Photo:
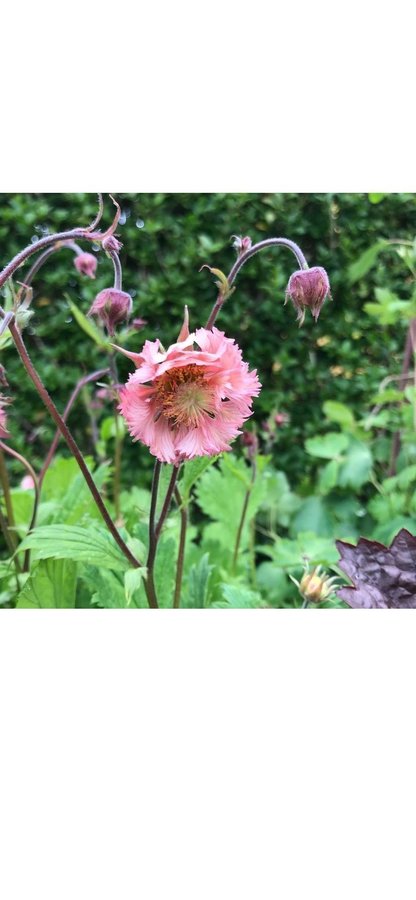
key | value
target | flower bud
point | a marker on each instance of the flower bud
(308, 289)
(138, 324)
(250, 442)
(112, 307)
(241, 244)
(27, 483)
(110, 244)
(316, 585)
(86, 264)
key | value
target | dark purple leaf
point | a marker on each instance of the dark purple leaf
(383, 577)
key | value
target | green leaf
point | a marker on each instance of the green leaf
(376, 198)
(106, 590)
(339, 413)
(328, 477)
(50, 586)
(237, 596)
(133, 580)
(88, 326)
(356, 469)
(192, 470)
(199, 574)
(313, 515)
(164, 572)
(92, 545)
(307, 548)
(366, 261)
(327, 446)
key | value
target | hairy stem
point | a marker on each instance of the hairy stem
(168, 501)
(66, 434)
(408, 355)
(181, 551)
(240, 262)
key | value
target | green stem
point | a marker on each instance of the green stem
(26, 464)
(181, 551)
(5, 483)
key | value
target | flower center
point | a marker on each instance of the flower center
(184, 396)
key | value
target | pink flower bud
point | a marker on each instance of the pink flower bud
(138, 324)
(86, 264)
(110, 244)
(27, 483)
(241, 244)
(308, 289)
(281, 419)
(112, 307)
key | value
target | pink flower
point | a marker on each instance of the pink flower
(308, 288)
(188, 402)
(112, 307)
(241, 244)
(27, 483)
(86, 264)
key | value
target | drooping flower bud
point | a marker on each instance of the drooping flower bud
(3, 418)
(316, 585)
(308, 289)
(111, 244)
(241, 244)
(86, 264)
(112, 307)
(250, 442)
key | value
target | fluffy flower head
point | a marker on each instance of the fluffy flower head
(190, 400)
(308, 289)
(86, 264)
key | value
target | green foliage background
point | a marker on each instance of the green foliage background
(166, 238)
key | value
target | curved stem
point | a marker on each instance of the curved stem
(94, 376)
(6, 449)
(66, 434)
(99, 215)
(43, 258)
(181, 550)
(118, 275)
(243, 515)
(240, 262)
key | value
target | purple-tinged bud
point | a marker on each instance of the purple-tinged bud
(250, 442)
(27, 483)
(280, 419)
(86, 264)
(241, 244)
(308, 289)
(112, 307)
(138, 324)
(110, 244)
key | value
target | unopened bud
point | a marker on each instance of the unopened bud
(241, 244)
(138, 324)
(112, 307)
(316, 585)
(308, 289)
(86, 264)
(27, 483)
(110, 244)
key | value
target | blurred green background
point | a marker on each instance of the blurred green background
(166, 238)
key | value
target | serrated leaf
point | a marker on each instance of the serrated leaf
(198, 582)
(356, 469)
(51, 585)
(92, 545)
(193, 470)
(237, 596)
